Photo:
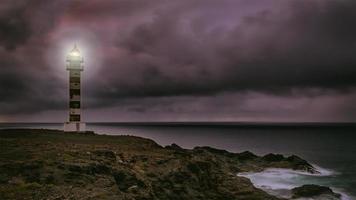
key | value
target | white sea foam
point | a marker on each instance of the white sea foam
(273, 179)
(323, 171)
(279, 182)
(344, 196)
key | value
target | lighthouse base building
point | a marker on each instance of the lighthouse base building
(75, 67)
(74, 127)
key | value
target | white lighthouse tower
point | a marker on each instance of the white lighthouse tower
(75, 67)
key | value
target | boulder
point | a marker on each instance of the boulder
(308, 191)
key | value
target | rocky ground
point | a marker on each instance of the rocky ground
(49, 164)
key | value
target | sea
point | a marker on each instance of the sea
(329, 147)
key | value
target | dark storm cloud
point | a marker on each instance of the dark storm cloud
(27, 85)
(165, 49)
(14, 29)
(19, 20)
(27, 90)
(191, 52)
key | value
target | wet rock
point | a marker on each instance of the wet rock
(300, 164)
(307, 191)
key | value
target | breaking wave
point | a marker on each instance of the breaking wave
(279, 182)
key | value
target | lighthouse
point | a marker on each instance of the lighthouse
(75, 67)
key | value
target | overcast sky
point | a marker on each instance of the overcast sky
(186, 60)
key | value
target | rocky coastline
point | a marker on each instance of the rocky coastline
(51, 164)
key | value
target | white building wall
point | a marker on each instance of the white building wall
(74, 127)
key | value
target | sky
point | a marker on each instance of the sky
(186, 60)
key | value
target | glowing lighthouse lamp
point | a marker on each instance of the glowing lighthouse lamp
(75, 67)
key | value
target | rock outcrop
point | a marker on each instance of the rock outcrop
(314, 191)
(48, 164)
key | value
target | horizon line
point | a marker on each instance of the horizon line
(193, 122)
